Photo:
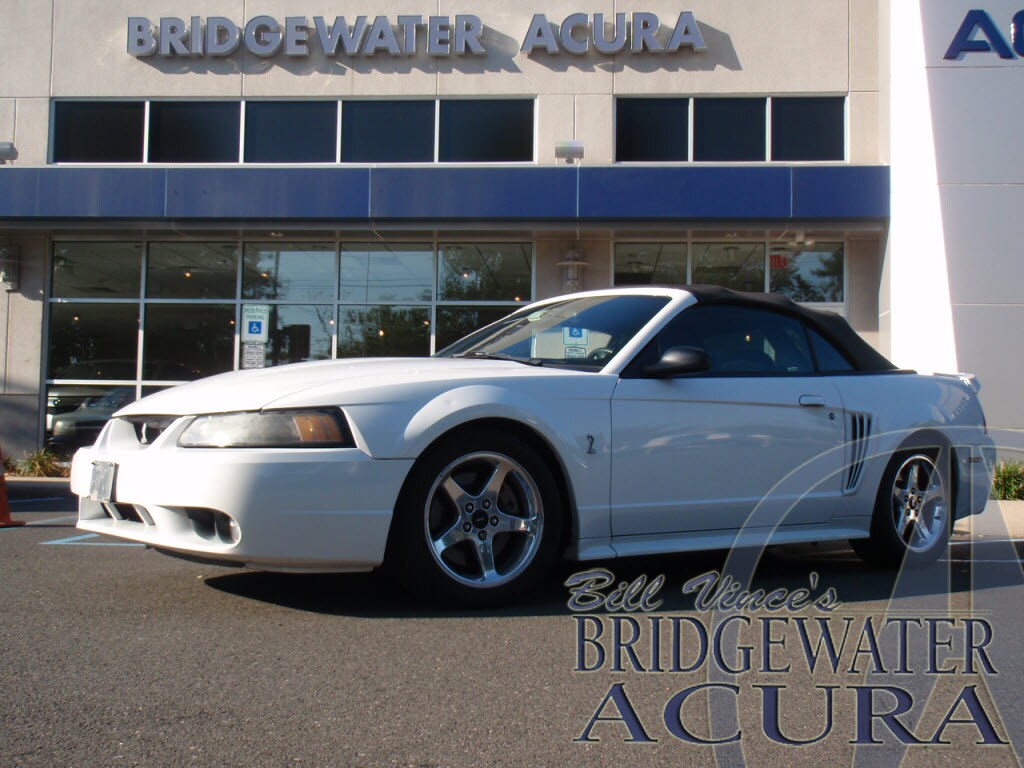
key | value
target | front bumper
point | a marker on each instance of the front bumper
(294, 509)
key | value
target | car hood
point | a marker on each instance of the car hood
(342, 382)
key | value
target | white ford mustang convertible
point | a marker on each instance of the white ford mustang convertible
(592, 426)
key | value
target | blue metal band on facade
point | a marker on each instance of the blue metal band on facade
(439, 194)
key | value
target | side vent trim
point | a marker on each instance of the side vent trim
(860, 430)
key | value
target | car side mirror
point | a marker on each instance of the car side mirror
(676, 361)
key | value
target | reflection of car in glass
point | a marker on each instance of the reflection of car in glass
(65, 397)
(82, 426)
(597, 425)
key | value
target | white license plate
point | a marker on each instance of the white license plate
(101, 487)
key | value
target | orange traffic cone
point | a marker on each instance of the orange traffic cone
(5, 510)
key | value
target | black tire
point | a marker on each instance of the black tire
(914, 509)
(447, 519)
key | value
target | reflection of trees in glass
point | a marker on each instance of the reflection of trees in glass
(485, 272)
(813, 276)
(300, 272)
(384, 331)
(455, 322)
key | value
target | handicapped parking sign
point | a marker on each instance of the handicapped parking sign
(575, 337)
(255, 323)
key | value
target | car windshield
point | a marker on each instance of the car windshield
(583, 333)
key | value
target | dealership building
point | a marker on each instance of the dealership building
(195, 188)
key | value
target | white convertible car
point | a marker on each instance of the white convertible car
(592, 426)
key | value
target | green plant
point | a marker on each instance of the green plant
(1008, 483)
(41, 463)
(10, 466)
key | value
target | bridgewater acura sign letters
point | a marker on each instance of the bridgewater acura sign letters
(403, 35)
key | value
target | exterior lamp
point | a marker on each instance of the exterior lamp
(570, 151)
(572, 270)
(10, 263)
(8, 152)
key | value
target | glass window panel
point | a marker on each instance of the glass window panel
(485, 271)
(739, 266)
(292, 271)
(729, 129)
(298, 333)
(96, 270)
(194, 131)
(384, 273)
(739, 339)
(188, 341)
(98, 131)
(93, 341)
(650, 263)
(75, 414)
(486, 131)
(387, 132)
(455, 322)
(808, 129)
(291, 131)
(830, 359)
(812, 273)
(383, 331)
(191, 271)
(651, 129)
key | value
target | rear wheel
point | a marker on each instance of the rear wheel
(912, 520)
(479, 520)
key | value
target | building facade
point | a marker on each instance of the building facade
(250, 186)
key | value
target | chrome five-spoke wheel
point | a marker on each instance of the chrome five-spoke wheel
(919, 503)
(484, 518)
(479, 519)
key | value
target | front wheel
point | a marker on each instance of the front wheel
(912, 520)
(479, 520)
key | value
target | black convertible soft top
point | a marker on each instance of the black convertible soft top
(861, 355)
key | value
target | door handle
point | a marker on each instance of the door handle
(812, 401)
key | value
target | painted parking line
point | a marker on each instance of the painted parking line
(65, 519)
(79, 541)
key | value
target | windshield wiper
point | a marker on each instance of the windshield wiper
(501, 356)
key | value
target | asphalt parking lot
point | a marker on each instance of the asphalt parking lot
(113, 655)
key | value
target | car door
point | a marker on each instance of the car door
(699, 451)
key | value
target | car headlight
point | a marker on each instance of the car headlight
(298, 428)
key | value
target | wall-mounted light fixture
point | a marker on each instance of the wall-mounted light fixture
(572, 270)
(570, 151)
(8, 151)
(10, 264)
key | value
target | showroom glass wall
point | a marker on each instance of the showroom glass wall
(806, 271)
(129, 318)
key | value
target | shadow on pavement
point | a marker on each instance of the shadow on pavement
(373, 595)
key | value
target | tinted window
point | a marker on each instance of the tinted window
(194, 132)
(739, 266)
(810, 273)
(808, 129)
(97, 132)
(188, 341)
(191, 271)
(829, 359)
(486, 131)
(650, 263)
(292, 271)
(728, 129)
(93, 341)
(651, 129)
(96, 270)
(291, 131)
(379, 273)
(383, 331)
(387, 132)
(738, 340)
(485, 271)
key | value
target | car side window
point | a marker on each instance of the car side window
(830, 359)
(740, 340)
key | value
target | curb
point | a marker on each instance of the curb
(45, 480)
